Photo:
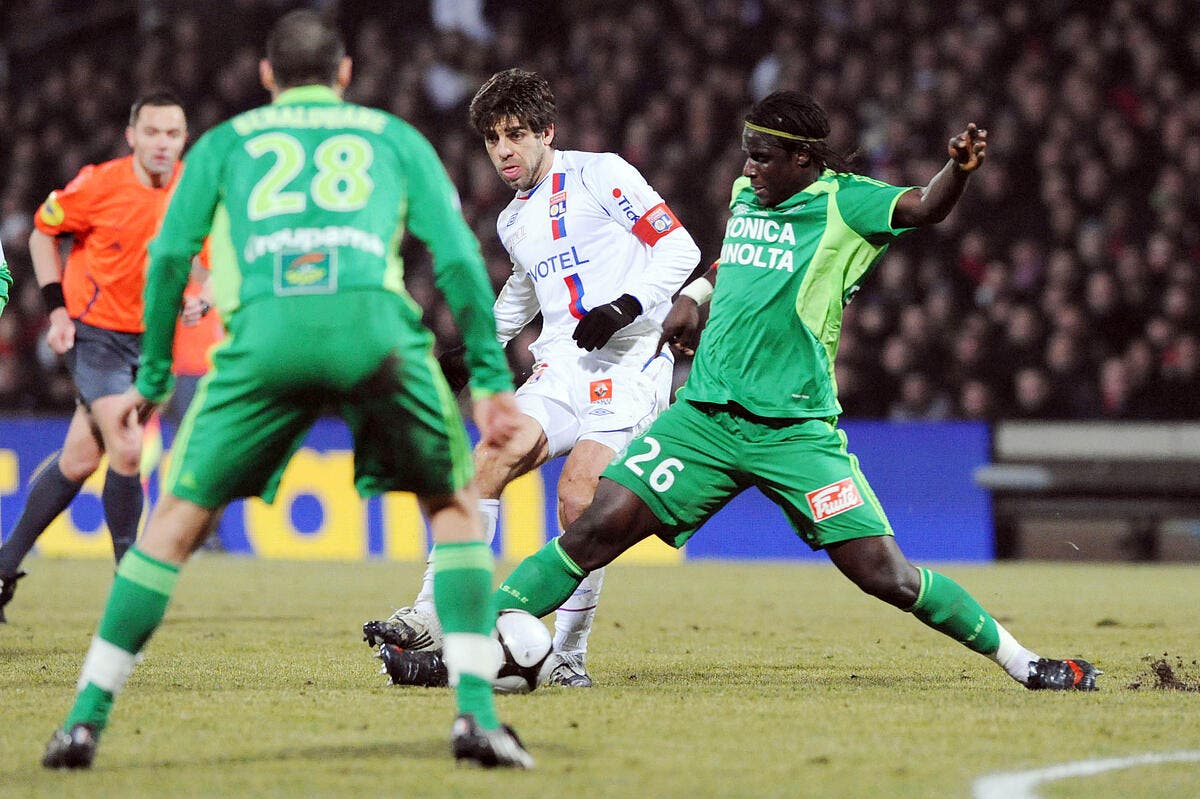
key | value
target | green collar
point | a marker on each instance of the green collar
(307, 94)
(808, 192)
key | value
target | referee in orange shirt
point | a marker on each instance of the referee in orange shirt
(112, 211)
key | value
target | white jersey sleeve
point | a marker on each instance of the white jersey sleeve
(637, 207)
(516, 305)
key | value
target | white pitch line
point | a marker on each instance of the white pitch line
(1021, 784)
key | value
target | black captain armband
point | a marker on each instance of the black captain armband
(52, 295)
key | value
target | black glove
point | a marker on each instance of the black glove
(454, 367)
(598, 325)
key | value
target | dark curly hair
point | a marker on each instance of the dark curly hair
(513, 93)
(799, 114)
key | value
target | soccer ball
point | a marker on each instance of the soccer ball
(525, 645)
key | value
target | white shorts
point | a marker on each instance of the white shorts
(608, 404)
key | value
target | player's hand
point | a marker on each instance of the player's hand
(598, 325)
(681, 328)
(969, 148)
(133, 409)
(497, 418)
(61, 336)
(454, 367)
(193, 310)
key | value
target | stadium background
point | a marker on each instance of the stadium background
(1064, 287)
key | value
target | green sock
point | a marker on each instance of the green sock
(541, 582)
(135, 608)
(946, 607)
(462, 582)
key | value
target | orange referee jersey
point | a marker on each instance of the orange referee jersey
(190, 353)
(112, 217)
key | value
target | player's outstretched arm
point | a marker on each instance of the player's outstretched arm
(930, 205)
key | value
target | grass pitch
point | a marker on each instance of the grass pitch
(713, 680)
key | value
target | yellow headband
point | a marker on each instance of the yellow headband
(780, 134)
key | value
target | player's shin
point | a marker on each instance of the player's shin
(122, 499)
(462, 593)
(489, 509)
(946, 607)
(573, 619)
(541, 582)
(136, 604)
(50, 493)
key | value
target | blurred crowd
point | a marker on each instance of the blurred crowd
(1064, 286)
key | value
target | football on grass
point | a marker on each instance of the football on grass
(525, 644)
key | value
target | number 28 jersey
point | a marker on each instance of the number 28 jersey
(311, 196)
(591, 230)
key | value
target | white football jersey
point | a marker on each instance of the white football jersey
(590, 231)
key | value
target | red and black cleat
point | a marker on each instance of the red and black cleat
(406, 667)
(1062, 675)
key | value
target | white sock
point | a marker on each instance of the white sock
(471, 653)
(424, 600)
(107, 666)
(573, 621)
(490, 509)
(1012, 656)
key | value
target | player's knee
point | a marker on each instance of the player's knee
(877, 566)
(594, 539)
(175, 529)
(572, 502)
(125, 460)
(78, 466)
(614, 521)
(890, 583)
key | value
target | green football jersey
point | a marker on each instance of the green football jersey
(785, 274)
(311, 195)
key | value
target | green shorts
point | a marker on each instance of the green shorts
(362, 355)
(695, 458)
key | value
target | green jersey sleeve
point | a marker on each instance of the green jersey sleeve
(866, 206)
(434, 216)
(5, 280)
(188, 219)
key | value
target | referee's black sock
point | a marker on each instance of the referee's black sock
(122, 498)
(49, 495)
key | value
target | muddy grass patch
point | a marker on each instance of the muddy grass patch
(1167, 673)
